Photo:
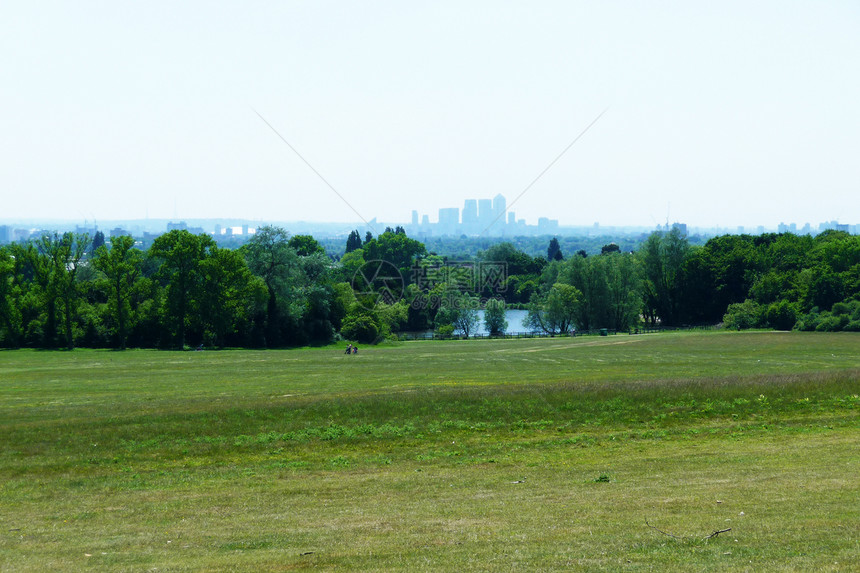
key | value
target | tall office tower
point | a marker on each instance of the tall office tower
(470, 216)
(449, 218)
(415, 217)
(485, 214)
(512, 219)
(499, 206)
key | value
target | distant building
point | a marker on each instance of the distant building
(547, 225)
(118, 232)
(414, 217)
(180, 226)
(5, 234)
(470, 216)
(682, 228)
(449, 220)
(485, 214)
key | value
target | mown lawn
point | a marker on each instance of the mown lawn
(612, 453)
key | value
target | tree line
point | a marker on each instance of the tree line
(65, 290)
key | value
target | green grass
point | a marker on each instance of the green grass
(476, 455)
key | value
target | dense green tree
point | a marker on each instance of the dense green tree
(397, 250)
(10, 315)
(98, 241)
(315, 290)
(349, 264)
(74, 247)
(521, 272)
(180, 255)
(228, 297)
(121, 266)
(553, 251)
(556, 311)
(353, 241)
(305, 245)
(623, 289)
(271, 258)
(588, 277)
(54, 260)
(662, 258)
(609, 249)
(494, 317)
(459, 309)
(517, 262)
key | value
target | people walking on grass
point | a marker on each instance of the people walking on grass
(348, 349)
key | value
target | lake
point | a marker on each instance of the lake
(515, 320)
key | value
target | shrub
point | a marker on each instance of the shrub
(494, 317)
(781, 315)
(445, 331)
(743, 315)
(360, 327)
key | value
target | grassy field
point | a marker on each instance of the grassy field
(595, 453)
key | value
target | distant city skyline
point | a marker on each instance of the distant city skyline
(724, 114)
(491, 225)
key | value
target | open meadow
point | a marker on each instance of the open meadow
(620, 453)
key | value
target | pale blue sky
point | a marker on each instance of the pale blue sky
(723, 113)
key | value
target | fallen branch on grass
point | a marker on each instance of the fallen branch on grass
(661, 531)
(714, 534)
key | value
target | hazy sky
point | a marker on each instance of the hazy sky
(720, 113)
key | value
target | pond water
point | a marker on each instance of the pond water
(515, 320)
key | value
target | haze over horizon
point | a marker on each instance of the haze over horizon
(722, 115)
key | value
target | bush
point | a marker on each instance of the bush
(841, 308)
(494, 317)
(445, 331)
(361, 328)
(743, 315)
(830, 323)
(781, 315)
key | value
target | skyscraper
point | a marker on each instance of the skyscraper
(449, 218)
(485, 214)
(470, 216)
(499, 206)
